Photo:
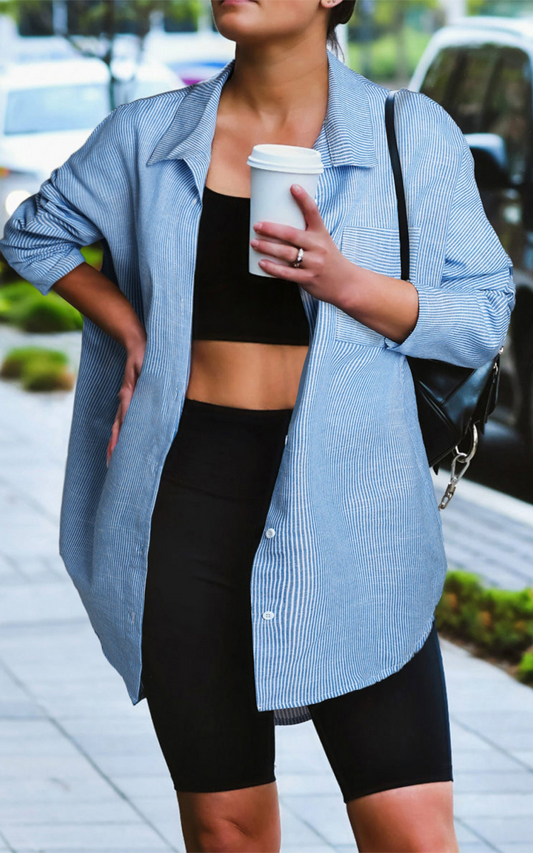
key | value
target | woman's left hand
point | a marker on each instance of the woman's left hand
(324, 271)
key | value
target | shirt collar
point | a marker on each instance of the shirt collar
(346, 137)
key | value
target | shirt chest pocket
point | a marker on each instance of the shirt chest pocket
(376, 249)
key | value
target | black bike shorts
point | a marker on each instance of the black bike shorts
(198, 671)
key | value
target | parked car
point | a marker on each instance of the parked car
(480, 70)
(48, 109)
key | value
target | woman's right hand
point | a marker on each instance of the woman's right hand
(134, 362)
(101, 301)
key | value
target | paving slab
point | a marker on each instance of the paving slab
(477, 847)
(488, 533)
(72, 837)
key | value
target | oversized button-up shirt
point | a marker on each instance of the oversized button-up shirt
(351, 565)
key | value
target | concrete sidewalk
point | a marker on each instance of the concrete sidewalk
(488, 533)
(81, 766)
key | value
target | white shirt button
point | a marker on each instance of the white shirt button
(286, 438)
(270, 533)
(268, 614)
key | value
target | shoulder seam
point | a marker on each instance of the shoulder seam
(179, 94)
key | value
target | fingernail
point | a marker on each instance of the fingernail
(297, 187)
(258, 225)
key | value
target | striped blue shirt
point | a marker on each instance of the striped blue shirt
(343, 594)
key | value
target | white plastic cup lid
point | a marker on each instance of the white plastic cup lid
(286, 158)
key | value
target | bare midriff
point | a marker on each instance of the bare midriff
(245, 374)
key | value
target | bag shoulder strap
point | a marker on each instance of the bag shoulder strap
(398, 182)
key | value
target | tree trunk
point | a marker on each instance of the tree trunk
(402, 60)
(109, 32)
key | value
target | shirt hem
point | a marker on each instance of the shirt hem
(303, 717)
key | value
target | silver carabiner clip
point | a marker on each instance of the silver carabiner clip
(463, 459)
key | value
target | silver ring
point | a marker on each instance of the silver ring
(298, 260)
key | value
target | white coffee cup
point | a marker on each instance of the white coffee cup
(274, 168)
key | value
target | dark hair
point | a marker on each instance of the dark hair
(340, 14)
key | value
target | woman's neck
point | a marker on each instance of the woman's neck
(276, 87)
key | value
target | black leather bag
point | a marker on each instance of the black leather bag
(453, 402)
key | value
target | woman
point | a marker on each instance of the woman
(265, 546)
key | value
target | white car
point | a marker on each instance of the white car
(48, 109)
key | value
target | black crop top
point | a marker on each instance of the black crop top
(230, 303)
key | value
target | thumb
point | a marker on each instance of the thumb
(308, 206)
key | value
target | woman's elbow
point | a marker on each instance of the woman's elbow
(490, 338)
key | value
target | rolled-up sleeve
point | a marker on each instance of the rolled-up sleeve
(43, 237)
(464, 321)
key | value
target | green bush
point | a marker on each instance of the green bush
(6, 272)
(16, 360)
(460, 601)
(12, 294)
(498, 621)
(93, 255)
(46, 376)
(48, 313)
(38, 368)
(22, 305)
(505, 624)
(525, 669)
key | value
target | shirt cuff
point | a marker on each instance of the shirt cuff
(417, 337)
(43, 279)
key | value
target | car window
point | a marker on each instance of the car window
(439, 75)
(55, 108)
(508, 109)
(472, 84)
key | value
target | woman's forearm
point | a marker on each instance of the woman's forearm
(99, 299)
(387, 305)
